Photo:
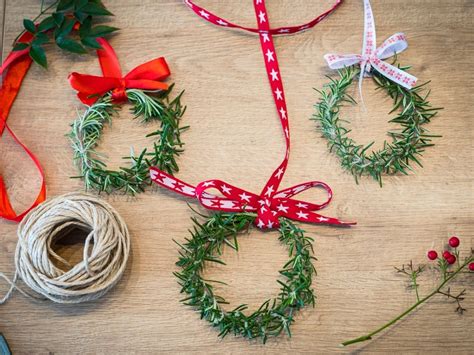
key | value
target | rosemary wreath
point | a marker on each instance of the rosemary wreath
(407, 143)
(149, 107)
(274, 315)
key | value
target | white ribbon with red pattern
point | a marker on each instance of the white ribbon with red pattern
(372, 57)
(271, 203)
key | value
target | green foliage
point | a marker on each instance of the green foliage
(58, 21)
(407, 144)
(274, 315)
(150, 107)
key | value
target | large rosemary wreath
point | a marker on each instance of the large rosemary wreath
(274, 315)
(406, 145)
(149, 107)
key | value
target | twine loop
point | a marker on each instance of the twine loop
(105, 255)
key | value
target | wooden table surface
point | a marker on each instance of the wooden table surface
(235, 136)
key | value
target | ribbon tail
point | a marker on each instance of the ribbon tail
(316, 218)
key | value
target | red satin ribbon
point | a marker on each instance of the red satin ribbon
(271, 203)
(17, 64)
(145, 77)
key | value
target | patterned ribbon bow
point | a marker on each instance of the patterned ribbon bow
(269, 206)
(372, 57)
(146, 76)
(271, 203)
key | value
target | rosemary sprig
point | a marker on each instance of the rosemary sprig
(87, 129)
(274, 315)
(407, 144)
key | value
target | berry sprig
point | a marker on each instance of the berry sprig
(68, 22)
(449, 266)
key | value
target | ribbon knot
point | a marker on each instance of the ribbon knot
(146, 76)
(269, 206)
(372, 57)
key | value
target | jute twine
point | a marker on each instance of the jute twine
(106, 250)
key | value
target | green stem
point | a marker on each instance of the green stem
(423, 300)
(43, 11)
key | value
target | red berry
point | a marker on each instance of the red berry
(454, 242)
(432, 255)
(447, 254)
(471, 266)
(451, 260)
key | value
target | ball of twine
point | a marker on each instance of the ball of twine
(105, 255)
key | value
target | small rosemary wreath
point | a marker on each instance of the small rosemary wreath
(149, 107)
(274, 315)
(406, 145)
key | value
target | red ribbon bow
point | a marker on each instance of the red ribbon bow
(146, 76)
(269, 206)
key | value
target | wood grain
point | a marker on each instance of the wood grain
(235, 136)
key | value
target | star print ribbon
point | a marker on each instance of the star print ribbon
(146, 76)
(372, 57)
(14, 70)
(271, 203)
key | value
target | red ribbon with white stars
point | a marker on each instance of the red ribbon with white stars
(271, 204)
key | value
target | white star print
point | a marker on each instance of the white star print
(284, 30)
(287, 133)
(260, 224)
(283, 113)
(204, 14)
(323, 219)
(258, 2)
(269, 55)
(274, 75)
(300, 214)
(279, 173)
(227, 204)
(279, 93)
(304, 27)
(265, 37)
(244, 197)
(168, 182)
(153, 174)
(261, 16)
(270, 224)
(302, 205)
(226, 189)
(269, 191)
(208, 183)
(222, 23)
(263, 209)
(282, 208)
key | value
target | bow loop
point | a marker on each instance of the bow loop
(146, 76)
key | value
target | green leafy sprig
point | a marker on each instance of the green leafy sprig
(447, 273)
(407, 144)
(87, 130)
(58, 21)
(274, 315)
